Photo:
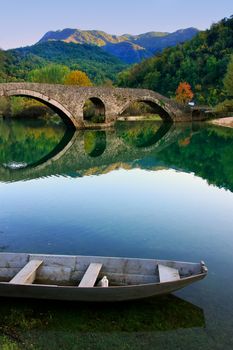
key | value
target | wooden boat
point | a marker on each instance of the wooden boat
(66, 277)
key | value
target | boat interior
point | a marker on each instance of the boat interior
(88, 271)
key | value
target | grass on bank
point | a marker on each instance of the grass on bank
(67, 325)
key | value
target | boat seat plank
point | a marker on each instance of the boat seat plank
(168, 274)
(90, 275)
(27, 274)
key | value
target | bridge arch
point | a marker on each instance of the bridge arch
(94, 108)
(57, 107)
(158, 106)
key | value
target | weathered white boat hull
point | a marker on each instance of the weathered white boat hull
(67, 269)
(109, 294)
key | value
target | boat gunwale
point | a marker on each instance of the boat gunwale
(101, 257)
(202, 274)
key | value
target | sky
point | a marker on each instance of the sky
(24, 22)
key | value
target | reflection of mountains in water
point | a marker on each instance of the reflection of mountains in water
(205, 151)
(164, 313)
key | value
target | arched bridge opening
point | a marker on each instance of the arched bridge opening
(146, 108)
(94, 110)
(54, 105)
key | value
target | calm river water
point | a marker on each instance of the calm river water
(144, 190)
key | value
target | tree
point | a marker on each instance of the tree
(227, 105)
(184, 93)
(108, 83)
(3, 58)
(151, 80)
(77, 77)
(51, 74)
(228, 79)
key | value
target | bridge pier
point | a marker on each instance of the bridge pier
(80, 124)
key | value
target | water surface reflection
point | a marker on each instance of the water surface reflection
(139, 190)
(34, 152)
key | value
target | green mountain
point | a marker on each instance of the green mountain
(128, 48)
(202, 62)
(99, 65)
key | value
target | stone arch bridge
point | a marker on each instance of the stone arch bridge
(69, 101)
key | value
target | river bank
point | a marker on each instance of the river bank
(227, 122)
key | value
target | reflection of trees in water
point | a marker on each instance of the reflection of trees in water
(95, 143)
(143, 134)
(26, 143)
(208, 153)
(56, 152)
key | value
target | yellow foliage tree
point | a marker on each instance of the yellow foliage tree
(77, 77)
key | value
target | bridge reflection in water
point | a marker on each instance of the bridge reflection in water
(34, 152)
(78, 152)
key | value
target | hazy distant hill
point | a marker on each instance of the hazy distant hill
(156, 42)
(127, 52)
(128, 48)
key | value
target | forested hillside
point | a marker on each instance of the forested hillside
(202, 62)
(99, 65)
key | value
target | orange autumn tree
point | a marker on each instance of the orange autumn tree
(184, 93)
(78, 78)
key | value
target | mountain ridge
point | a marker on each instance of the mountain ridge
(138, 47)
